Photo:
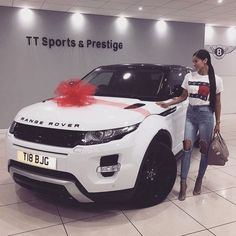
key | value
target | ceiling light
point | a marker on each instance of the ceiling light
(77, 17)
(140, 8)
(219, 1)
(161, 26)
(26, 12)
(121, 23)
(231, 33)
(77, 20)
(26, 16)
(209, 33)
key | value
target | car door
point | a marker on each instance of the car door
(174, 78)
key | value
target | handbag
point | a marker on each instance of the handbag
(218, 152)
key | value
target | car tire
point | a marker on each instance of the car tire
(156, 177)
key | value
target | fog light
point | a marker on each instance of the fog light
(107, 169)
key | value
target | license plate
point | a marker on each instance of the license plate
(36, 160)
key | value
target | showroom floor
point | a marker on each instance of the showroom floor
(213, 212)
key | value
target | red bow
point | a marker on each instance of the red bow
(74, 93)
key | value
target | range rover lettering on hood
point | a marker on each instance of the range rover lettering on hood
(49, 123)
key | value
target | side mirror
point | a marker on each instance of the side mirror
(177, 91)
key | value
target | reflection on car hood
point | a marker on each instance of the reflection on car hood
(103, 113)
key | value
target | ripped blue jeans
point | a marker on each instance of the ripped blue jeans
(199, 119)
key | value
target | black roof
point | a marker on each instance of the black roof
(141, 65)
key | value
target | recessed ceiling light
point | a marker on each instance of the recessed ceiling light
(209, 32)
(219, 1)
(161, 26)
(122, 23)
(26, 16)
(140, 8)
(77, 19)
(26, 12)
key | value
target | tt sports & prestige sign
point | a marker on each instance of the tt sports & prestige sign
(72, 43)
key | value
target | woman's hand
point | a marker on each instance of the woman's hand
(217, 128)
(217, 112)
(163, 104)
(173, 101)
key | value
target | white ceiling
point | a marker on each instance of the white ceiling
(203, 11)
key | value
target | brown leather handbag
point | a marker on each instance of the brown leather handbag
(218, 152)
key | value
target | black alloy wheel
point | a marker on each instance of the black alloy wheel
(156, 176)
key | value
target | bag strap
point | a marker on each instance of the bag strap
(215, 134)
(219, 135)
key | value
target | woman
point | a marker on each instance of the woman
(203, 89)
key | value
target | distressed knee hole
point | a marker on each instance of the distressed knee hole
(203, 146)
(187, 145)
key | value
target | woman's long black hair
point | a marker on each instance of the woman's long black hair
(204, 54)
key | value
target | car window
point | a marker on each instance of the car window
(176, 77)
(143, 84)
(97, 79)
(171, 86)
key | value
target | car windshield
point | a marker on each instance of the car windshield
(143, 83)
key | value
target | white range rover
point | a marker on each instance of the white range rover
(121, 147)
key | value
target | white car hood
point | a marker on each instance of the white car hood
(104, 113)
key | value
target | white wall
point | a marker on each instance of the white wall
(30, 73)
(225, 66)
(229, 95)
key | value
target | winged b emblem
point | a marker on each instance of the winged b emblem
(219, 51)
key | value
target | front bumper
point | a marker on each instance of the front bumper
(60, 183)
(77, 169)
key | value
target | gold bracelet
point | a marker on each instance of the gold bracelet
(218, 122)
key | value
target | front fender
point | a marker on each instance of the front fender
(145, 133)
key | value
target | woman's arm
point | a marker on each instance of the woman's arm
(217, 112)
(175, 100)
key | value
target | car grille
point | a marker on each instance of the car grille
(39, 186)
(48, 136)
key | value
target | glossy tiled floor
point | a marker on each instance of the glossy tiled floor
(24, 213)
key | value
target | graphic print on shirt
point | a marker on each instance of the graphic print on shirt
(203, 90)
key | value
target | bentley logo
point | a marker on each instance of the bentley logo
(220, 51)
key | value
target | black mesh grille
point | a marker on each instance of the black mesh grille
(48, 136)
(48, 173)
(39, 185)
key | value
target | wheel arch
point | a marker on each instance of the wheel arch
(162, 136)
(156, 143)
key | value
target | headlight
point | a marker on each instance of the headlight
(12, 127)
(104, 136)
